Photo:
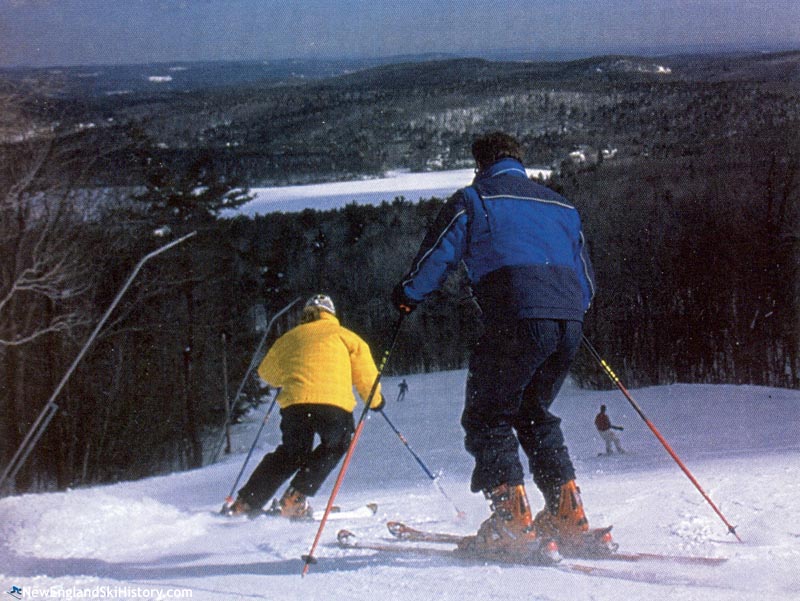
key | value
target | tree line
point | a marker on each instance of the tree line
(698, 263)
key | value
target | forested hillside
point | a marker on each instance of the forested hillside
(421, 115)
(685, 170)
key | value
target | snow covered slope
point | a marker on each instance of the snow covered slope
(159, 535)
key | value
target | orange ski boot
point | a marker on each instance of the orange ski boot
(294, 505)
(509, 531)
(569, 527)
(239, 507)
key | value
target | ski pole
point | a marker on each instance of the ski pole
(309, 558)
(421, 463)
(229, 499)
(610, 373)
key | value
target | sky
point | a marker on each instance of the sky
(93, 32)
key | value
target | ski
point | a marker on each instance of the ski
(337, 513)
(407, 533)
(365, 511)
(598, 541)
(347, 540)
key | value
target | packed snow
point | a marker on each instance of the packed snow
(161, 535)
(334, 195)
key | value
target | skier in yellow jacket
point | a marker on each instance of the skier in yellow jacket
(315, 365)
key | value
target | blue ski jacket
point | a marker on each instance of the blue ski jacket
(522, 244)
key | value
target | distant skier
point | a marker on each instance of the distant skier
(403, 386)
(527, 261)
(603, 424)
(315, 365)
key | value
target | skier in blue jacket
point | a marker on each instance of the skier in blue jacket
(527, 262)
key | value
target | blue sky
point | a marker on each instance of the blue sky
(74, 32)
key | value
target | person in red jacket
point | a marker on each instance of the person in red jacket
(603, 424)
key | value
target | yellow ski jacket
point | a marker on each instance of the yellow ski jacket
(320, 362)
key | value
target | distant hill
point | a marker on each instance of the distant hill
(780, 67)
(305, 121)
(158, 78)
(394, 71)
(475, 71)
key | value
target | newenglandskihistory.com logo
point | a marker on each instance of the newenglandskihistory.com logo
(99, 592)
(15, 592)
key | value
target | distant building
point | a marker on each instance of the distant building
(577, 156)
(588, 155)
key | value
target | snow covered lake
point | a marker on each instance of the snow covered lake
(160, 536)
(335, 195)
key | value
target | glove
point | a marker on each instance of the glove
(378, 405)
(401, 302)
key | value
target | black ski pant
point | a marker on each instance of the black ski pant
(296, 455)
(515, 373)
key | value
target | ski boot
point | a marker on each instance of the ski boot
(293, 505)
(509, 531)
(564, 520)
(239, 507)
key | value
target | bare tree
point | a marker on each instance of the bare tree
(42, 276)
(42, 266)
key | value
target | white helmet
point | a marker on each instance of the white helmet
(323, 301)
